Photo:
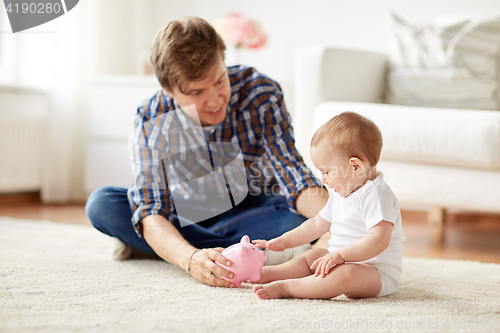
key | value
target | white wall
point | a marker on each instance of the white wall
(290, 24)
(127, 27)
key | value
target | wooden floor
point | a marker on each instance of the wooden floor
(467, 236)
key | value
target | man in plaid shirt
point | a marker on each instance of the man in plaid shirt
(213, 157)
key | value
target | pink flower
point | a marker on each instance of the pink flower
(241, 31)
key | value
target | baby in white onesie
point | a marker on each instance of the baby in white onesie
(365, 249)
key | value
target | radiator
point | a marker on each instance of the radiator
(22, 126)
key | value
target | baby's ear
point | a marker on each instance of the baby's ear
(356, 164)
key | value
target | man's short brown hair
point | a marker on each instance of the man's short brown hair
(184, 51)
(352, 135)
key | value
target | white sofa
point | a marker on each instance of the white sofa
(433, 158)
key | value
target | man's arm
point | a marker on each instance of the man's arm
(169, 244)
(311, 200)
(298, 184)
(166, 240)
(151, 201)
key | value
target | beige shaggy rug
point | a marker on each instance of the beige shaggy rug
(60, 278)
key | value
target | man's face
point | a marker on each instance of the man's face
(211, 96)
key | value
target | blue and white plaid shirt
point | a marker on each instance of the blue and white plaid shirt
(256, 121)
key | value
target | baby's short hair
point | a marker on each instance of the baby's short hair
(352, 135)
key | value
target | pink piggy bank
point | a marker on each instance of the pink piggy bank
(246, 261)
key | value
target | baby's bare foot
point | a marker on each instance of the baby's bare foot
(260, 292)
(271, 290)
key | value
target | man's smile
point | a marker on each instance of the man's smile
(217, 110)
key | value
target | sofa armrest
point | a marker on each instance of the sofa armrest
(323, 73)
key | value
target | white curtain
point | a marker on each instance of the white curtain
(73, 66)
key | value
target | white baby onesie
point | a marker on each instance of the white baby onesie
(353, 216)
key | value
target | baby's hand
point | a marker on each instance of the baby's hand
(326, 263)
(260, 243)
(275, 244)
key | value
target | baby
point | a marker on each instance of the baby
(365, 249)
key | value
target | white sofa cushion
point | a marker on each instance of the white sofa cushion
(454, 137)
(422, 185)
(445, 65)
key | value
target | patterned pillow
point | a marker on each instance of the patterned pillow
(454, 66)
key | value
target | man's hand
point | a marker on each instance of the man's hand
(326, 263)
(277, 244)
(203, 268)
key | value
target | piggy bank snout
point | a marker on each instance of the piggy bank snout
(247, 261)
(262, 256)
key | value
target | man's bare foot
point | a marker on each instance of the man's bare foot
(271, 290)
(264, 277)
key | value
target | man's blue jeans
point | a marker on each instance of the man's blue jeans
(258, 216)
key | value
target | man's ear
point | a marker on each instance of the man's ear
(356, 164)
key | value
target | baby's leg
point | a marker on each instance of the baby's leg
(292, 269)
(356, 280)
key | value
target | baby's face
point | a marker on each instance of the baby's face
(336, 171)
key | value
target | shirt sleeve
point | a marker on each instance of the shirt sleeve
(290, 171)
(377, 206)
(149, 195)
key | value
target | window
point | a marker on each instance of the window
(7, 48)
(1, 30)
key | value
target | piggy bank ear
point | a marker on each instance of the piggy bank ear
(245, 239)
(240, 252)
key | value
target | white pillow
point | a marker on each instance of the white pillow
(454, 65)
